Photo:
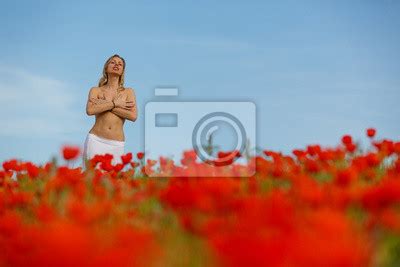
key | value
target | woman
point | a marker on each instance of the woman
(112, 104)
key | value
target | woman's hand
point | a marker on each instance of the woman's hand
(121, 103)
(98, 100)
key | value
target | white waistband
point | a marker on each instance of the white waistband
(106, 141)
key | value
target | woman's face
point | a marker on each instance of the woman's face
(116, 66)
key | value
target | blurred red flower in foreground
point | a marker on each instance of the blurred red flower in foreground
(140, 155)
(12, 164)
(320, 206)
(371, 132)
(32, 169)
(126, 158)
(347, 139)
(70, 152)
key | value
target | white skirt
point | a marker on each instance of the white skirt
(96, 145)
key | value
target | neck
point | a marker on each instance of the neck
(113, 81)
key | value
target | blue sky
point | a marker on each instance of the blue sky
(315, 69)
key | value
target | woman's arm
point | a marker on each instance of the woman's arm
(96, 106)
(127, 113)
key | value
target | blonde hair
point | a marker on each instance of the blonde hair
(103, 80)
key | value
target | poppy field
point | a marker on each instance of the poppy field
(318, 206)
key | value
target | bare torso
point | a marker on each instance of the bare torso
(109, 125)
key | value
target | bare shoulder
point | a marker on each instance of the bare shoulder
(130, 89)
(131, 92)
(93, 91)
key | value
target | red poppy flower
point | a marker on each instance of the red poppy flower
(396, 147)
(126, 158)
(268, 153)
(48, 166)
(345, 177)
(371, 132)
(70, 152)
(189, 157)
(106, 165)
(140, 155)
(299, 153)
(134, 164)
(372, 159)
(118, 167)
(95, 160)
(313, 149)
(32, 169)
(12, 165)
(346, 139)
(351, 147)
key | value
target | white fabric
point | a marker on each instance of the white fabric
(96, 145)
